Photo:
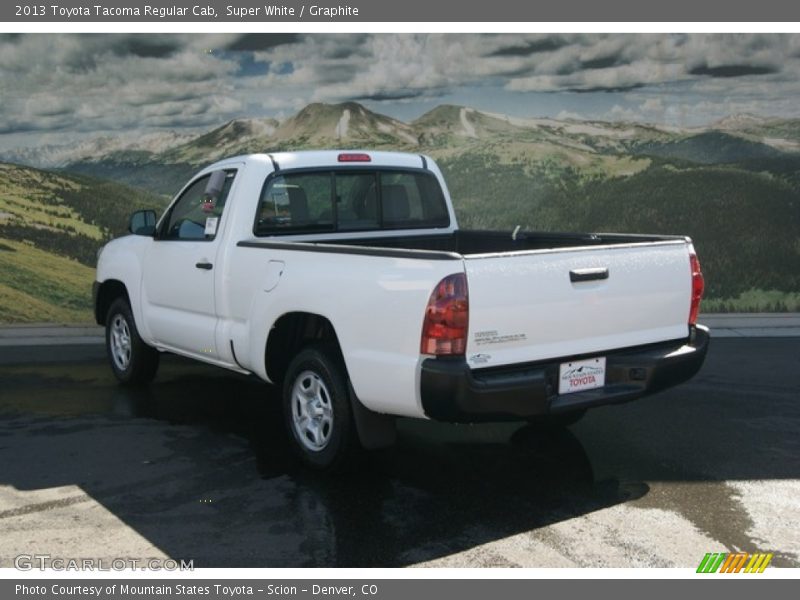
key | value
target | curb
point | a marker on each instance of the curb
(50, 334)
(752, 325)
(721, 325)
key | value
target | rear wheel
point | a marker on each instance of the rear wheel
(132, 361)
(317, 410)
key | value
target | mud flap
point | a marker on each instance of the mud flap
(375, 430)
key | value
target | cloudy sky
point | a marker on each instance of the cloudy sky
(56, 88)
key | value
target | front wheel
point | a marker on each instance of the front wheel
(317, 409)
(132, 361)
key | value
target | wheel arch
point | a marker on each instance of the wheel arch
(107, 292)
(295, 330)
(290, 333)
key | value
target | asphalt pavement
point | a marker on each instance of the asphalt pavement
(197, 467)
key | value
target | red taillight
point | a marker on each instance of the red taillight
(354, 157)
(698, 284)
(444, 331)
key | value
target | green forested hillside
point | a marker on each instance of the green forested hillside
(711, 147)
(153, 176)
(51, 225)
(41, 286)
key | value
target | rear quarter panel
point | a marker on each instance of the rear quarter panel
(375, 303)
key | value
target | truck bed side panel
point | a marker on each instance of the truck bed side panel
(375, 303)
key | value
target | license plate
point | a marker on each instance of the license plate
(581, 375)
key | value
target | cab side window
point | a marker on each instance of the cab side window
(197, 214)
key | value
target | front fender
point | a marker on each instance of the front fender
(121, 260)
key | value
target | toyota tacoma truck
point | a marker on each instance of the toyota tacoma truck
(343, 278)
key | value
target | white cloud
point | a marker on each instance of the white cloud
(652, 105)
(110, 82)
(84, 83)
(619, 113)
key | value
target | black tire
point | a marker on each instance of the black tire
(320, 422)
(132, 361)
(558, 420)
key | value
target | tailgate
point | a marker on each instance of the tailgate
(546, 304)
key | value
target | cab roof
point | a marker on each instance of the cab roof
(337, 158)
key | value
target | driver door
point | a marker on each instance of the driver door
(179, 268)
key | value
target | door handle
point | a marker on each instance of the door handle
(204, 265)
(588, 274)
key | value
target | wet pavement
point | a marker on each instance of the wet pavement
(197, 466)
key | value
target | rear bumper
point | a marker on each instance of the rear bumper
(451, 391)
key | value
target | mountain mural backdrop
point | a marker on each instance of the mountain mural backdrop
(733, 186)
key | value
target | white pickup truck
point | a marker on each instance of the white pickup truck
(343, 278)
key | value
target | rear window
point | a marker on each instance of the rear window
(350, 200)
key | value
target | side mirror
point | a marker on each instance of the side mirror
(143, 222)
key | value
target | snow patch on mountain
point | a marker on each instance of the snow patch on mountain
(469, 128)
(342, 125)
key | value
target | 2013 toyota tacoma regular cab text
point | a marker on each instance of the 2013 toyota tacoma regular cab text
(343, 278)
